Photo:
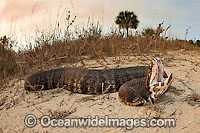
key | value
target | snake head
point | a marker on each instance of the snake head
(156, 83)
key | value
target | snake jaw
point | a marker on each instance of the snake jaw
(157, 89)
(157, 83)
(157, 71)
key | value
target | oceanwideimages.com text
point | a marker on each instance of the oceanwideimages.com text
(128, 123)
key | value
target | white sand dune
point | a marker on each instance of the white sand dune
(16, 103)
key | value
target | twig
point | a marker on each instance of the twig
(38, 110)
(59, 58)
(71, 105)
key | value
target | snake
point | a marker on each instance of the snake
(135, 85)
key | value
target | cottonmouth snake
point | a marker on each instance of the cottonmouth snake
(135, 84)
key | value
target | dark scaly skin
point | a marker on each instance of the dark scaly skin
(80, 79)
(134, 92)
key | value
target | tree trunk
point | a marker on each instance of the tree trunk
(127, 31)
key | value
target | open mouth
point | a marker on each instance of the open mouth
(157, 71)
(158, 84)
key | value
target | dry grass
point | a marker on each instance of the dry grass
(51, 52)
(193, 99)
(8, 65)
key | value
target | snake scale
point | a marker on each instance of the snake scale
(131, 82)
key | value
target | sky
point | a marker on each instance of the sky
(20, 18)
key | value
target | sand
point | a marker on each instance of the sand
(179, 102)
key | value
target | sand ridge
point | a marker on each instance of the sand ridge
(179, 102)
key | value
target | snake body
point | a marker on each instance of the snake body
(136, 85)
(86, 81)
(134, 92)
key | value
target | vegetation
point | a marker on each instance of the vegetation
(8, 65)
(127, 20)
(197, 42)
(55, 50)
(148, 32)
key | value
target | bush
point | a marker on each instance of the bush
(8, 65)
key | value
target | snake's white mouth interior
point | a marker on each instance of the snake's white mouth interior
(157, 83)
(157, 71)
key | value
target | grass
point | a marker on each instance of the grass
(8, 65)
(193, 99)
(58, 48)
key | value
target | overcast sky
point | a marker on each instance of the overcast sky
(23, 17)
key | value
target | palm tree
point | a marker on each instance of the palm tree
(127, 19)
